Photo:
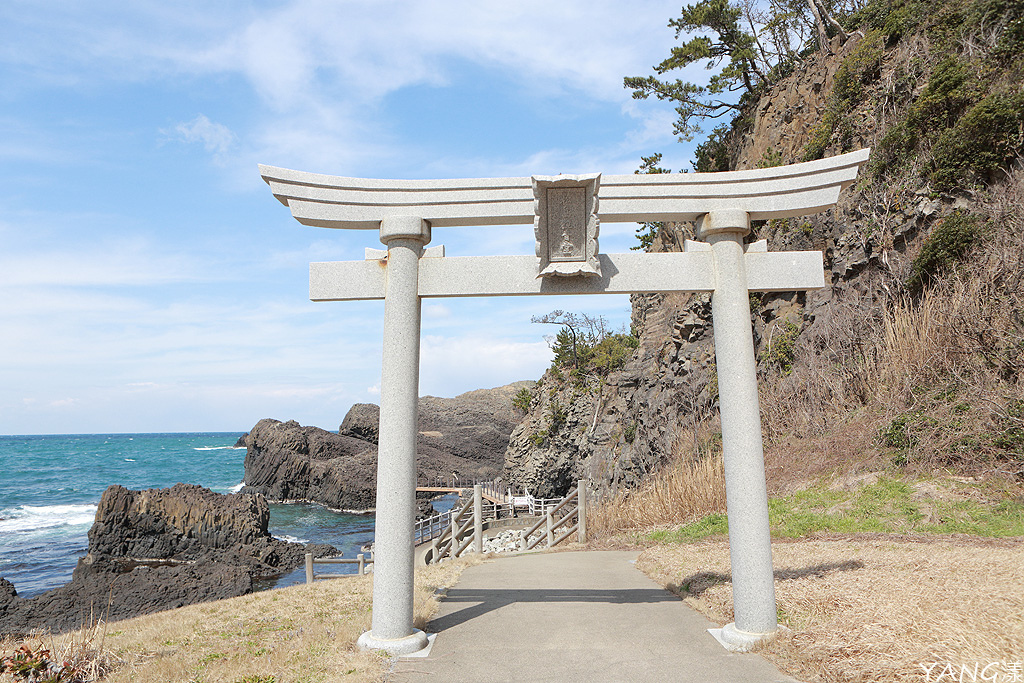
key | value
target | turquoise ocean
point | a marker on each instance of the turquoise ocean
(50, 486)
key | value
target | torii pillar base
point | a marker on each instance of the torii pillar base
(735, 640)
(395, 647)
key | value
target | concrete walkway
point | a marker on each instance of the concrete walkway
(573, 616)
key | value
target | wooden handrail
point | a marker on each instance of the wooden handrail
(562, 520)
(567, 534)
(548, 520)
(359, 560)
(450, 533)
(568, 499)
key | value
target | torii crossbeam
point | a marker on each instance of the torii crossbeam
(566, 212)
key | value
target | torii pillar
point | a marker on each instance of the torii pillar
(391, 629)
(566, 212)
(746, 492)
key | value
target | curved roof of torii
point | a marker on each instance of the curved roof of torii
(783, 191)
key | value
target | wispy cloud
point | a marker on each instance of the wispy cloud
(321, 68)
(121, 262)
(215, 137)
(452, 365)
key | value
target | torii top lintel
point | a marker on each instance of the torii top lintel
(781, 192)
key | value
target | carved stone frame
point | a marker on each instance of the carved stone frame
(577, 253)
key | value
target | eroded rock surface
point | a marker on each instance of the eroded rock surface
(286, 461)
(663, 404)
(159, 549)
(464, 436)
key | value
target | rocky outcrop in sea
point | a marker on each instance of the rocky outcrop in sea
(159, 549)
(464, 436)
(286, 461)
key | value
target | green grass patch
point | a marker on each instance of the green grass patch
(887, 506)
(713, 525)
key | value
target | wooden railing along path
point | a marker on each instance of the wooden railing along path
(452, 532)
(360, 560)
(456, 536)
(491, 490)
(552, 521)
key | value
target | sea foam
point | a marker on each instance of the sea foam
(291, 539)
(26, 518)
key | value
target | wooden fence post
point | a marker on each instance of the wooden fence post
(551, 535)
(581, 507)
(309, 567)
(362, 563)
(478, 519)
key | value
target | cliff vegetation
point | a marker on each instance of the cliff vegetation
(909, 362)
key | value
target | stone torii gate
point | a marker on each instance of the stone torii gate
(566, 212)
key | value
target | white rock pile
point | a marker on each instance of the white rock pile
(505, 542)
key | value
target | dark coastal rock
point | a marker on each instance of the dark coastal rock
(362, 421)
(188, 523)
(287, 461)
(103, 591)
(159, 549)
(474, 427)
(465, 436)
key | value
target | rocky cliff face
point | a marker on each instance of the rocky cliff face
(159, 549)
(466, 435)
(618, 430)
(812, 347)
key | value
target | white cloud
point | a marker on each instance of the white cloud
(215, 137)
(113, 263)
(63, 403)
(165, 312)
(436, 311)
(322, 68)
(452, 365)
(374, 46)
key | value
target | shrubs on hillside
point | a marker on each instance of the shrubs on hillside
(949, 242)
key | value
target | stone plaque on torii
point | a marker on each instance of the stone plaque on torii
(566, 212)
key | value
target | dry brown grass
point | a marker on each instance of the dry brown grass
(870, 361)
(303, 633)
(877, 609)
(795, 462)
(678, 493)
(78, 656)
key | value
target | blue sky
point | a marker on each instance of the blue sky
(149, 281)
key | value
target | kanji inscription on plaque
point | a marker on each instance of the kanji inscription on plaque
(566, 224)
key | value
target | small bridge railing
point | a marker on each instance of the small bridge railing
(432, 527)
(538, 506)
